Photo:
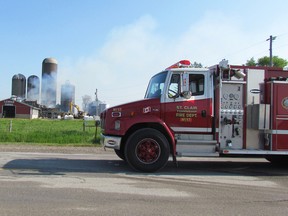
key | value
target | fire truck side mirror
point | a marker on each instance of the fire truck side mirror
(186, 94)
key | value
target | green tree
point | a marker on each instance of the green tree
(197, 65)
(279, 62)
(265, 62)
(251, 62)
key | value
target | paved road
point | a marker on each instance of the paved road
(101, 184)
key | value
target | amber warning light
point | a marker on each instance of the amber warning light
(180, 64)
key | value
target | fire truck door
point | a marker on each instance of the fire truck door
(193, 115)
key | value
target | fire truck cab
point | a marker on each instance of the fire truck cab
(223, 110)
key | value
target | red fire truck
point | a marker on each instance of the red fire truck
(224, 110)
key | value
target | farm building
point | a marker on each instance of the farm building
(10, 108)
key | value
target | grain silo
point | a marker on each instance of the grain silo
(67, 96)
(19, 86)
(49, 82)
(33, 88)
(102, 107)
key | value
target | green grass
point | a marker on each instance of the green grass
(48, 132)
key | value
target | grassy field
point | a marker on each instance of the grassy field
(48, 132)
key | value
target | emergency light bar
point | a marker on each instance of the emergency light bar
(180, 64)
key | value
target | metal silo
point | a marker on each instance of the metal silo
(19, 85)
(67, 96)
(102, 107)
(49, 82)
(33, 88)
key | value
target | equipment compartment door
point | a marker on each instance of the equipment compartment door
(280, 116)
(231, 129)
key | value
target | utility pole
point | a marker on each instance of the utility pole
(271, 38)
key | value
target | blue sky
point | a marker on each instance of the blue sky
(116, 46)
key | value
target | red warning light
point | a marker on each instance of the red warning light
(180, 64)
(185, 62)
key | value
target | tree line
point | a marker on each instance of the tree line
(261, 62)
(265, 62)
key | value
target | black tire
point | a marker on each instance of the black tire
(277, 160)
(147, 150)
(120, 154)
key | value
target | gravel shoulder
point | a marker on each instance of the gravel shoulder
(52, 149)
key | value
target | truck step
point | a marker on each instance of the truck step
(185, 154)
(197, 148)
(193, 142)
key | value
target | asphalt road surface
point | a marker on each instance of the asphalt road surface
(33, 183)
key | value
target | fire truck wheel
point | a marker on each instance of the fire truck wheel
(120, 154)
(277, 160)
(147, 150)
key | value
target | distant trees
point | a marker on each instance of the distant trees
(265, 61)
(251, 62)
(197, 65)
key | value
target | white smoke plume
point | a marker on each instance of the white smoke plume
(67, 96)
(33, 88)
(49, 90)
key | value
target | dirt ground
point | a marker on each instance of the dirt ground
(51, 149)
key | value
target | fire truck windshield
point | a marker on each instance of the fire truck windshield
(156, 85)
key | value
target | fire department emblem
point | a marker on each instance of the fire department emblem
(147, 109)
(285, 103)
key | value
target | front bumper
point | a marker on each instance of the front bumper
(113, 142)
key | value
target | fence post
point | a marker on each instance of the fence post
(95, 133)
(97, 123)
(10, 126)
(84, 125)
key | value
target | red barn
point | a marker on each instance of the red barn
(14, 109)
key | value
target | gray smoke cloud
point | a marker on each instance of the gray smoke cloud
(49, 90)
(67, 96)
(33, 88)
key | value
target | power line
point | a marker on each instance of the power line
(281, 46)
(246, 48)
(281, 35)
(285, 34)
